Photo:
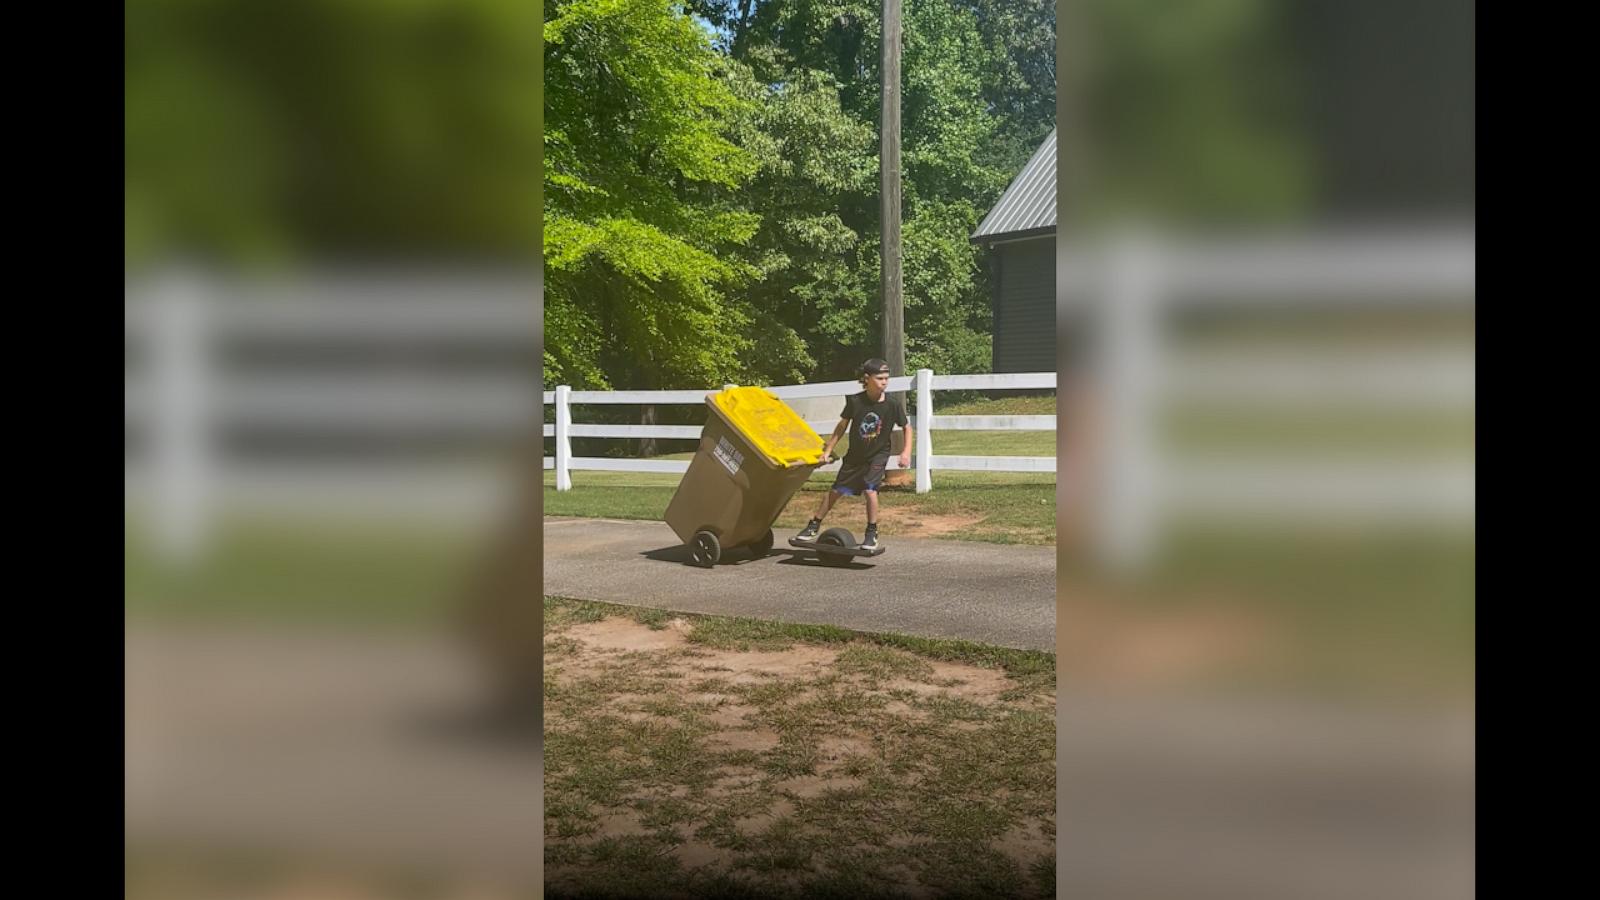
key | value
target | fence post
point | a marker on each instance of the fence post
(563, 438)
(1129, 354)
(924, 450)
(180, 438)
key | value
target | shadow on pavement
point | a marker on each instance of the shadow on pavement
(804, 558)
(678, 553)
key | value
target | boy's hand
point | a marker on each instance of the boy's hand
(905, 459)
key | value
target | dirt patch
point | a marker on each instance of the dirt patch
(695, 856)
(759, 666)
(816, 785)
(751, 739)
(621, 824)
(903, 710)
(835, 749)
(971, 682)
(931, 525)
(1110, 644)
(966, 682)
(729, 716)
(733, 780)
(1025, 845)
(774, 734)
(625, 635)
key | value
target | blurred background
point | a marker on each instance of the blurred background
(331, 220)
(1265, 331)
(1266, 294)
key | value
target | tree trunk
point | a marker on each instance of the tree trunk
(647, 445)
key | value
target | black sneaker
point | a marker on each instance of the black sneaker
(809, 534)
(870, 542)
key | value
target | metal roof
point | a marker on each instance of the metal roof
(1029, 204)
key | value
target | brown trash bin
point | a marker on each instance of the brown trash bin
(754, 453)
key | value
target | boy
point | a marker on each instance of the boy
(870, 417)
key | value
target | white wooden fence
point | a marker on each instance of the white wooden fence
(1129, 291)
(1125, 294)
(183, 390)
(924, 384)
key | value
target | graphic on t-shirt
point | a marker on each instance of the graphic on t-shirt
(871, 425)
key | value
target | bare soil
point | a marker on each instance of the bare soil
(802, 769)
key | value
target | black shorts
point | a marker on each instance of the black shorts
(862, 475)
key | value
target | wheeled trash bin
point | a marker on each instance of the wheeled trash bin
(754, 453)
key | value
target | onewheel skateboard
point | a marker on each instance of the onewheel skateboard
(836, 547)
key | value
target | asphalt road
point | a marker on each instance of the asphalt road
(991, 593)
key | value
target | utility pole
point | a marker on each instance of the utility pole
(894, 330)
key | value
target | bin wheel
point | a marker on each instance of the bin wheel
(705, 549)
(761, 546)
(835, 537)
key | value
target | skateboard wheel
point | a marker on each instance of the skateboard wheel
(835, 537)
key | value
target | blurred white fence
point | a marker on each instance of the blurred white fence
(345, 357)
(1120, 298)
(924, 383)
(1128, 292)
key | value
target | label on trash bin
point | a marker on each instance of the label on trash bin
(729, 457)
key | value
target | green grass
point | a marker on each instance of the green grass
(919, 783)
(299, 570)
(1351, 610)
(1382, 435)
(185, 872)
(992, 443)
(1000, 406)
(1012, 508)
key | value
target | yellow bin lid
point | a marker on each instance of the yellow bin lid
(770, 425)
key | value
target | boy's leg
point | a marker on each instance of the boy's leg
(874, 476)
(809, 533)
(869, 540)
(828, 500)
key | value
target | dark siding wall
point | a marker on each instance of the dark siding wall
(1025, 306)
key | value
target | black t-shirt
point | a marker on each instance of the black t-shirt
(870, 425)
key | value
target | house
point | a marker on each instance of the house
(1019, 234)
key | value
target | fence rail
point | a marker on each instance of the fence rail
(924, 384)
(1123, 295)
(1135, 287)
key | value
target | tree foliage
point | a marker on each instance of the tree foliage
(310, 129)
(710, 172)
(812, 71)
(642, 216)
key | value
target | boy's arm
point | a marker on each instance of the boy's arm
(910, 441)
(838, 432)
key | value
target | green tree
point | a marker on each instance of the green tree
(959, 150)
(295, 129)
(1193, 111)
(640, 217)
